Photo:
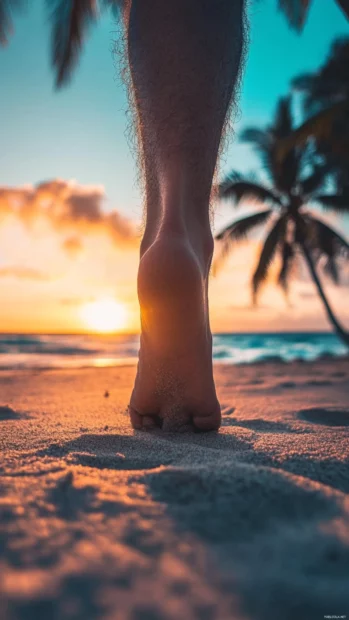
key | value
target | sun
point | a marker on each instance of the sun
(104, 315)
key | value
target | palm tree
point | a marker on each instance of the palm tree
(296, 11)
(326, 106)
(294, 181)
(70, 22)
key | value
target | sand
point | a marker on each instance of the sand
(99, 521)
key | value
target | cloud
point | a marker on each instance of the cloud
(68, 207)
(23, 273)
(76, 301)
(72, 246)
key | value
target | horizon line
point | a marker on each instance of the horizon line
(135, 333)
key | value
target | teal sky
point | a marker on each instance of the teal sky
(79, 132)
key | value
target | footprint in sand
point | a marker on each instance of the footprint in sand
(327, 417)
(116, 452)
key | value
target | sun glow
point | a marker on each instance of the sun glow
(104, 315)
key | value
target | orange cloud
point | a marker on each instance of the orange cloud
(68, 207)
(76, 301)
(23, 273)
(72, 246)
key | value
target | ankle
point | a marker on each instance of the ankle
(167, 268)
(186, 228)
(194, 233)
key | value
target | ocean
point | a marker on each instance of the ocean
(78, 351)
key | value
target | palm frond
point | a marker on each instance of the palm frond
(344, 5)
(262, 142)
(335, 202)
(325, 242)
(255, 136)
(283, 122)
(286, 169)
(265, 142)
(236, 189)
(314, 181)
(331, 82)
(70, 22)
(318, 126)
(240, 228)
(288, 256)
(274, 238)
(296, 12)
(237, 231)
(7, 7)
(331, 269)
(326, 238)
(303, 82)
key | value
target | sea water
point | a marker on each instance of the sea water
(75, 351)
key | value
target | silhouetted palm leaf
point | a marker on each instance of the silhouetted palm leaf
(325, 242)
(314, 181)
(262, 143)
(344, 4)
(288, 255)
(259, 138)
(338, 203)
(325, 238)
(304, 82)
(70, 22)
(7, 7)
(282, 170)
(240, 228)
(274, 238)
(326, 98)
(319, 126)
(330, 84)
(238, 231)
(296, 11)
(331, 269)
(238, 190)
(282, 124)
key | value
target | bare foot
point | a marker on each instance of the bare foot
(174, 387)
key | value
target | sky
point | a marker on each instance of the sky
(66, 155)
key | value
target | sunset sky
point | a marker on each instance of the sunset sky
(70, 207)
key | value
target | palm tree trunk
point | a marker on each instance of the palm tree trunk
(344, 4)
(342, 333)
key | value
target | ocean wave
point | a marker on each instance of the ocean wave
(51, 351)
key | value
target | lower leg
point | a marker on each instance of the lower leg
(184, 58)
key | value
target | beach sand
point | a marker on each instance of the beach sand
(99, 521)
